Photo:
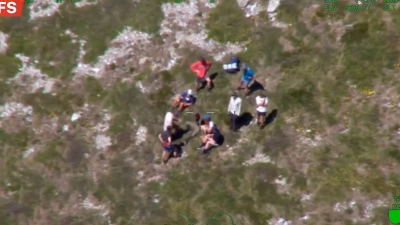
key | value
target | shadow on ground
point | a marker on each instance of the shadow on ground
(255, 86)
(271, 117)
(244, 120)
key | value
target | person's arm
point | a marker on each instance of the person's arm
(238, 107)
(209, 64)
(259, 103)
(169, 140)
(230, 106)
(194, 66)
(160, 138)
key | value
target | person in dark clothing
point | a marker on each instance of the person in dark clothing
(212, 139)
(184, 100)
(166, 142)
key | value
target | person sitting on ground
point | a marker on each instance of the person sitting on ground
(261, 102)
(166, 142)
(247, 77)
(208, 124)
(185, 99)
(233, 66)
(170, 120)
(200, 68)
(211, 140)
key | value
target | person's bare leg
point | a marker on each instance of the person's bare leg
(164, 157)
(247, 91)
(262, 119)
(181, 106)
(208, 83)
(197, 86)
(209, 143)
(176, 102)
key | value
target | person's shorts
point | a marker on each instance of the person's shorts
(168, 148)
(261, 113)
(199, 80)
(244, 82)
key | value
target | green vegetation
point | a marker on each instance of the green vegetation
(226, 23)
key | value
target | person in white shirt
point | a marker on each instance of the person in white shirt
(261, 102)
(234, 106)
(170, 119)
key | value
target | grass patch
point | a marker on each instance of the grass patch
(17, 140)
(51, 156)
(335, 182)
(227, 23)
(48, 104)
(93, 90)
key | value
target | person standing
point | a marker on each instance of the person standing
(200, 68)
(235, 104)
(261, 102)
(166, 142)
(247, 77)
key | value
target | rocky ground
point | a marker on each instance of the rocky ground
(84, 89)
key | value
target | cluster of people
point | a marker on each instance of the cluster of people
(211, 135)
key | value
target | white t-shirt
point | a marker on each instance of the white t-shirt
(235, 105)
(264, 102)
(168, 120)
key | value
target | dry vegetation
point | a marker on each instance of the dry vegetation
(79, 120)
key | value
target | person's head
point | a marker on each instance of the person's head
(197, 117)
(262, 95)
(203, 61)
(235, 94)
(175, 113)
(245, 66)
(169, 128)
(207, 117)
(190, 92)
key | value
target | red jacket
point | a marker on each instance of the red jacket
(199, 69)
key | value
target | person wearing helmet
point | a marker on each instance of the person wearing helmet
(247, 77)
(200, 68)
(184, 100)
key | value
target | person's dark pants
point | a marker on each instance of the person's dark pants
(233, 124)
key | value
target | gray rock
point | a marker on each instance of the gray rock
(242, 3)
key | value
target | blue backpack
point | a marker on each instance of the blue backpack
(233, 66)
